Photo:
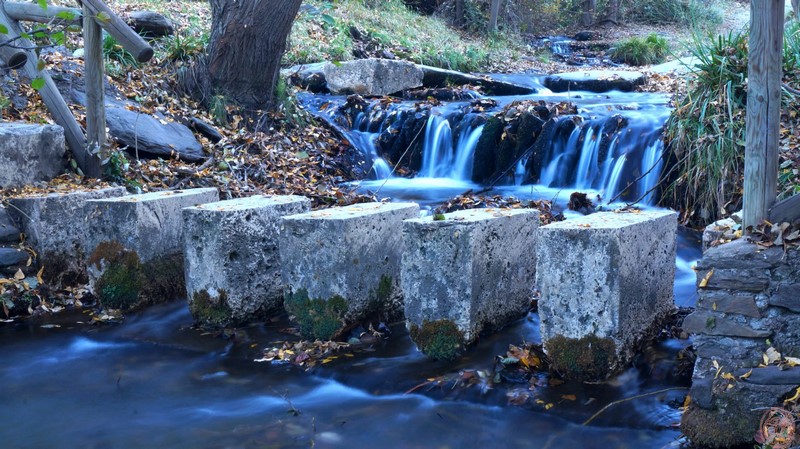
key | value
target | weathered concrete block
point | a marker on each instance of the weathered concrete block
(605, 281)
(232, 263)
(470, 272)
(135, 246)
(341, 264)
(55, 226)
(30, 153)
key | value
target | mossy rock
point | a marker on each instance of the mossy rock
(589, 358)
(318, 318)
(714, 429)
(484, 162)
(439, 340)
(211, 311)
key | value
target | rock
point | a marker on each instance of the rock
(722, 301)
(55, 226)
(756, 280)
(606, 279)
(434, 77)
(205, 129)
(11, 257)
(149, 136)
(679, 66)
(9, 233)
(740, 255)
(701, 393)
(372, 77)
(30, 153)
(595, 81)
(771, 375)
(474, 270)
(364, 244)
(787, 296)
(709, 323)
(307, 76)
(716, 230)
(150, 24)
(583, 36)
(232, 263)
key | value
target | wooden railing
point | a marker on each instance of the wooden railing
(94, 16)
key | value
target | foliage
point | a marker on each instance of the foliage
(641, 51)
(114, 51)
(182, 46)
(589, 358)
(699, 14)
(318, 318)
(209, 311)
(439, 340)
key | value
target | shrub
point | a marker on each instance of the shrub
(637, 51)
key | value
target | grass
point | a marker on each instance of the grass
(641, 51)
(697, 14)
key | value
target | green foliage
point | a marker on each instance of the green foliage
(121, 281)
(182, 46)
(701, 14)
(218, 107)
(439, 340)
(115, 52)
(4, 103)
(210, 311)
(318, 318)
(637, 51)
(705, 132)
(589, 358)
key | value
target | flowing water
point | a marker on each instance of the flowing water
(155, 382)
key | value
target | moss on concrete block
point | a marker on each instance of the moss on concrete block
(210, 311)
(439, 340)
(589, 358)
(318, 318)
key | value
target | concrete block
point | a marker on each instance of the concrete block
(474, 271)
(135, 246)
(341, 264)
(55, 226)
(30, 153)
(232, 263)
(606, 282)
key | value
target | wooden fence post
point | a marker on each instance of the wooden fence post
(762, 142)
(95, 95)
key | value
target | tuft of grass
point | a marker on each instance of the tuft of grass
(637, 51)
(182, 46)
(115, 52)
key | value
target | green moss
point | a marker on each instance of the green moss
(439, 340)
(209, 311)
(385, 289)
(715, 429)
(163, 280)
(120, 283)
(586, 359)
(318, 318)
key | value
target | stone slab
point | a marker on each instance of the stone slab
(475, 269)
(231, 253)
(9, 233)
(150, 224)
(30, 153)
(55, 226)
(607, 275)
(350, 253)
(595, 81)
(725, 302)
(710, 323)
(787, 296)
(372, 77)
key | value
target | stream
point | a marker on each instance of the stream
(154, 381)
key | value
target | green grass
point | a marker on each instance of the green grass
(697, 14)
(326, 35)
(641, 51)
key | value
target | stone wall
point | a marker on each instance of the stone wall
(749, 302)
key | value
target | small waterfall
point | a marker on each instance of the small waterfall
(444, 158)
(465, 152)
(611, 188)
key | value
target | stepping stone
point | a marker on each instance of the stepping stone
(342, 264)
(30, 153)
(55, 226)
(471, 272)
(606, 283)
(12, 259)
(9, 233)
(232, 261)
(135, 246)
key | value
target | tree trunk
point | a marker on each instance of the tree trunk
(493, 13)
(459, 19)
(613, 11)
(248, 39)
(587, 18)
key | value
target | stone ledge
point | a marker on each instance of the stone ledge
(709, 323)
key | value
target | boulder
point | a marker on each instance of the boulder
(307, 76)
(30, 153)
(9, 233)
(436, 77)
(11, 259)
(595, 81)
(150, 24)
(372, 77)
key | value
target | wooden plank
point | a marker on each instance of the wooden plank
(93, 73)
(787, 210)
(763, 109)
(120, 30)
(55, 104)
(32, 12)
(13, 58)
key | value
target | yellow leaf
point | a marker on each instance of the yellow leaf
(728, 376)
(771, 356)
(704, 281)
(795, 397)
(713, 306)
(792, 361)
(39, 275)
(569, 397)
(19, 275)
(548, 406)
(746, 375)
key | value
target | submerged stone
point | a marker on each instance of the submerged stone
(352, 253)
(608, 276)
(232, 260)
(472, 269)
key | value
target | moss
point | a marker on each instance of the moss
(714, 429)
(318, 318)
(165, 280)
(587, 359)
(120, 283)
(209, 311)
(439, 340)
(385, 290)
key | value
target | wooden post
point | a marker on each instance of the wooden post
(764, 73)
(493, 14)
(14, 58)
(32, 12)
(95, 95)
(116, 27)
(55, 103)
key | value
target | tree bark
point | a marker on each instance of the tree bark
(459, 19)
(587, 18)
(493, 13)
(613, 11)
(248, 39)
